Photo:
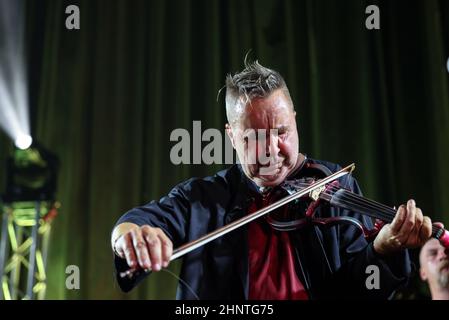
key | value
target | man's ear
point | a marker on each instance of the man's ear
(230, 134)
(422, 274)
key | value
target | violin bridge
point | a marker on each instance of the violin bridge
(315, 193)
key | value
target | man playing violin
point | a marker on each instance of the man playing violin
(256, 261)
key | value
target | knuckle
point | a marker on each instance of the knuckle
(160, 232)
(409, 223)
(153, 242)
(167, 244)
(146, 229)
(140, 245)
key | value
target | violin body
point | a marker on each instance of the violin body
(301, 212)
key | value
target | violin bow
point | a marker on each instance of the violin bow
(190, 246)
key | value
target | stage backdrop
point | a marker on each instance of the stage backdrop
(105, 99)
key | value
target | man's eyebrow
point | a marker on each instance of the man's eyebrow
(282, 127)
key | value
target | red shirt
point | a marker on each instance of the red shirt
(272, 274)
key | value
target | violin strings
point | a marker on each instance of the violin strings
(386, 209)
(388, 217)
(384, 212)
(356, 206)
(352, 200)
(357, 200)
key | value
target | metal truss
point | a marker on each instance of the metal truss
(24, 240)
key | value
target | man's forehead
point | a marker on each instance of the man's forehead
(260, 112)
(431, 244)
(266, 121)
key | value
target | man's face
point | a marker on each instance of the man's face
(265, 138)
(434, 262)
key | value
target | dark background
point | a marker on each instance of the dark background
(105, 99)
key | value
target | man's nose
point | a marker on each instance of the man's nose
(272, 147)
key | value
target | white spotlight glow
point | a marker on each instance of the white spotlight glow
(14, 117)
(23, 141)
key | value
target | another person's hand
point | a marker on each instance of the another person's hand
(409, 229)
(144, 246)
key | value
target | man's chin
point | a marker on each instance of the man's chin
(269, 180)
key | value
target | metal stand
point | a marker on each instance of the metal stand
(24, 238)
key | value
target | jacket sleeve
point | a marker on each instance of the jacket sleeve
(356, 277)
(171, 214)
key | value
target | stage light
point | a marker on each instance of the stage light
(23, 141)
(31, 174)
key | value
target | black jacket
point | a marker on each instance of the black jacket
(331, 262)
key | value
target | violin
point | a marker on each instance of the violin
(340, 197)
(318, 189)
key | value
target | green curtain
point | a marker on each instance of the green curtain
(105, 99)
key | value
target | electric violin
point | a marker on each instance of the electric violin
(321, 187)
